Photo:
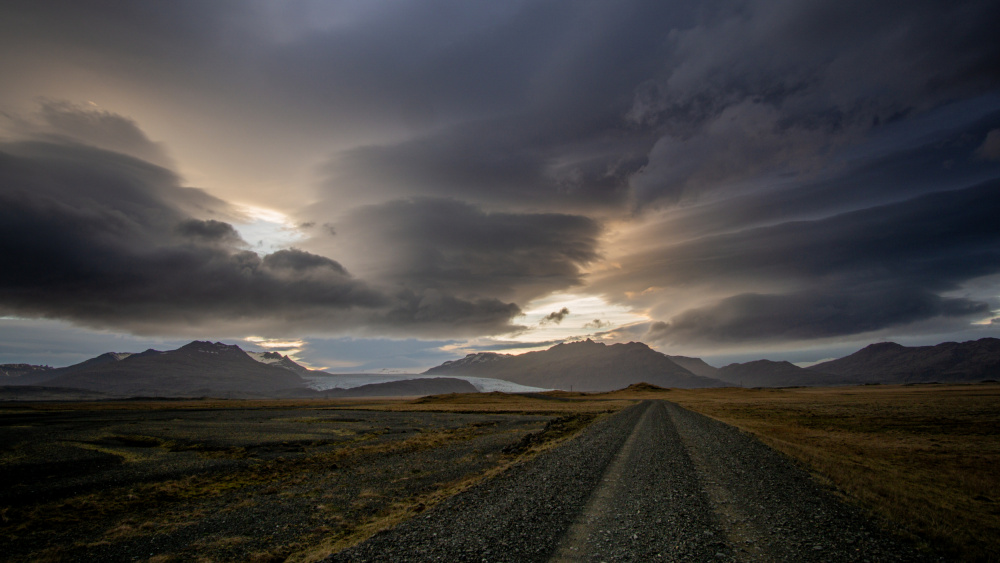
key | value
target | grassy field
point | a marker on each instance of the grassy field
(926, 456)
(324, 474)
(242, 480)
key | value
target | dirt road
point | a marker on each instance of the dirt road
(653, 482)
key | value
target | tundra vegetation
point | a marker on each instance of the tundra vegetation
(299, 479)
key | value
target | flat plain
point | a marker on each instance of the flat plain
(300, 480)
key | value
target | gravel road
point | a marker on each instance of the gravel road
(653, 482)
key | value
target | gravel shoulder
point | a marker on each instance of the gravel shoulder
(518, 516)
(652, 482)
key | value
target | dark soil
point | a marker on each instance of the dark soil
(225, 484)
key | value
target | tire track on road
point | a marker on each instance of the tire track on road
(649, 506)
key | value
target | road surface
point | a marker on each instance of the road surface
(654, 482)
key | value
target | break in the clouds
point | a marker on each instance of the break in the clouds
(736, 172)
(103, 239)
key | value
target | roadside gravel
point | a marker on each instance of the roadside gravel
(652, 482)
(771, 509)
(518, 516)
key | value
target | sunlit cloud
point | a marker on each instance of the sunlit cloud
(268, 230)
(285, 346)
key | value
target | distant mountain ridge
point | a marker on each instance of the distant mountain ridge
(221, 370)
(197, 369)
(888, 362)
(767, 373)
(588, 367)
(580, 366)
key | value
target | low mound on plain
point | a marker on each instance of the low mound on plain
(405, 388)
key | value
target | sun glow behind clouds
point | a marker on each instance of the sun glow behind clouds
(288, 347)
(267, 230)
(588, 316)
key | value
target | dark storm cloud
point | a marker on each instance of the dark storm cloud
(901, 162)
(529, 115)
(655, 103)
(547, 105)
(851, 273)
(209, 232)
(809, 315)
(460, 249)
(297, 262)
(434, 312)
(520, 163)
(774, 88)
(61, 121)
(555, 316)
(804, 165)
(990, 149)
(937, 240)
(100, 238)
(597, 324)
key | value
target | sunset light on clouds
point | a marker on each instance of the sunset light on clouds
(389, 185)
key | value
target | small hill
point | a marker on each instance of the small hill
(637, 387)
(767, 373)
(948, 362)
(579, 366)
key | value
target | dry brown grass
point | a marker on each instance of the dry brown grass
(552, 402)
(562, 429)
(925, 457)
(549, 402)
(181, 404)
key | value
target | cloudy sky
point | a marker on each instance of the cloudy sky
(388, 184)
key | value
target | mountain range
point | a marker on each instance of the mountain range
(591, 366)
(220, 370)
(948, 362)
(198, 369)
(580, 366)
